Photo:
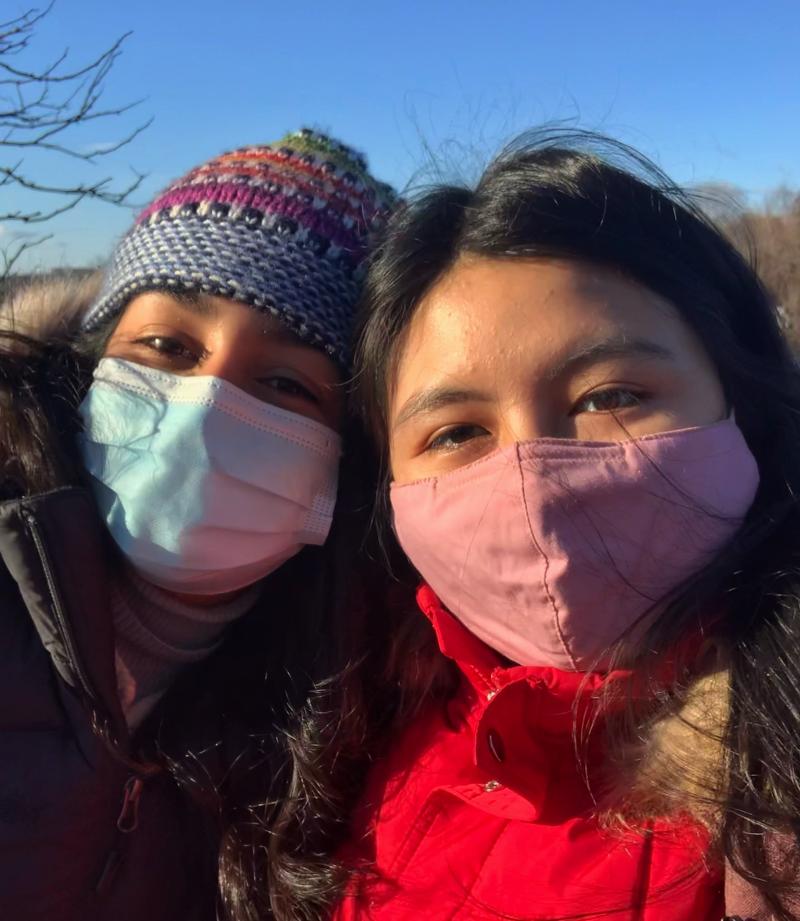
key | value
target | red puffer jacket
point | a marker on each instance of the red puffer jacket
(480, 811)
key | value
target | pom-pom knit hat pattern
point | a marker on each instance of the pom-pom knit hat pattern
(283, 227)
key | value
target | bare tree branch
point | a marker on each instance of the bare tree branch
(11, 254)
(43, 108)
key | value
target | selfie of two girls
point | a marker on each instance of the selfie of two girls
(423, 556)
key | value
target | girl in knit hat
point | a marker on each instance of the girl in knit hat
(169, 476)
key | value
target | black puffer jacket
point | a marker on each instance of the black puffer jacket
(92, 825)
(87, 830)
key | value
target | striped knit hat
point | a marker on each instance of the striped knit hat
(283, 227)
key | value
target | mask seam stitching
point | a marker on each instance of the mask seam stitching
(439, 478)
(314, 514)
(545, 584)
(652, 436)
(217, 385)
(567, 445)
(325, 453)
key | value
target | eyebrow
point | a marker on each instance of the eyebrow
(201, 305)
(428, 401)
(614, 347)
(192, 301)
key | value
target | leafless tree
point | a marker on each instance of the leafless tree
(768, 234)
(42, 109)
(776, 231)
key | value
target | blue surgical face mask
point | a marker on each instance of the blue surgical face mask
(204, 488)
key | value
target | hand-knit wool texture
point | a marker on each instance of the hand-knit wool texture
(283, 227)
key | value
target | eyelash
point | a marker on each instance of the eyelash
(180, 352)
(295, 390)
(439, 443)
(637, 397)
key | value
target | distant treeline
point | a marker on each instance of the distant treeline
(770, 237)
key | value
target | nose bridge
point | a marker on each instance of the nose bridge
(523, 419)
(227, 354)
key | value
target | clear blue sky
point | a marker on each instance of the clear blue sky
(709, 88)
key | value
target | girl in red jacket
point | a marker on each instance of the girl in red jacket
(591, 425)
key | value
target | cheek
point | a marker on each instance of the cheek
(404, 461)
(698, 401)
(398, 464)
(715, 403)
(703, 396)
(119, 345)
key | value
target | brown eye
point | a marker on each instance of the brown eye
(610, 400)
(454, 437)
(291, 387)
(168, 347)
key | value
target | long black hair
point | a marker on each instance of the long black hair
(582, 197)
(248, 733)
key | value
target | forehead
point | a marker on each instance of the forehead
(486, 319)
(208, 308)
(549, 294)
(479, 302)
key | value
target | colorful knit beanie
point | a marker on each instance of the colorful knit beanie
(283, 227)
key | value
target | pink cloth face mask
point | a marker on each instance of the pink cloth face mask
(549, 550)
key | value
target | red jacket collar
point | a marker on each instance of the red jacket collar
(455, 640)
(485, 669)
(526, 721)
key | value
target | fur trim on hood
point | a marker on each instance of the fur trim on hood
(49, 306)
(676, 765)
